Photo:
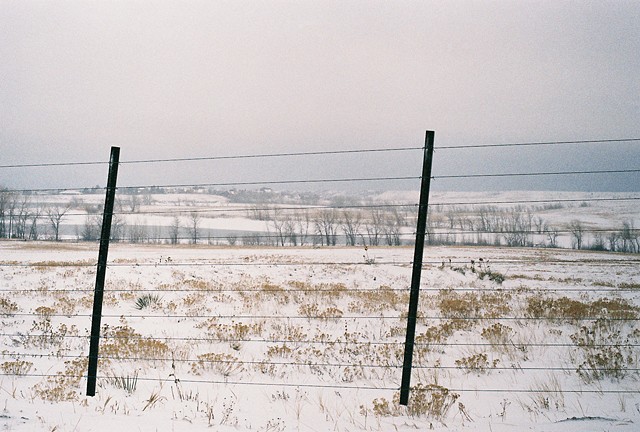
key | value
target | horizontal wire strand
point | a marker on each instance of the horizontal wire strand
(227, 382)
(326, 152)
(343, 180)
(213, 340)
(534, 143)
(343, 317)
(237, 361)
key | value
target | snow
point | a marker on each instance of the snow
(322, 380)
(311, 338)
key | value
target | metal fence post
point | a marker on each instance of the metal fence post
(417, 268)
(101, 271)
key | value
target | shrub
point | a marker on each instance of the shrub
(429, 400)
(223, 364)
(564, 308)
(63, 386)
(7, 307)
(604, 351)
(17, 367)
(476, 363)
(147, 300)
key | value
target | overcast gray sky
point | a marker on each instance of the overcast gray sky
(164, 79)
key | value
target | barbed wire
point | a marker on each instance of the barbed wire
(533, 174)
(172, 379)
(325, 152)
(338, 180)
(284, 341)
(535, 144)
(294, 363)
(618, 259)
(334, 315)
(339, 317)
(348, 291)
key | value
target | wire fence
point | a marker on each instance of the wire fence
(328, 317)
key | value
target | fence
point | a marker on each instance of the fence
(253, 317)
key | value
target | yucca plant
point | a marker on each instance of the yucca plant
(147, 300)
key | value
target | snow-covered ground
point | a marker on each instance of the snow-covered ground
(274, 339)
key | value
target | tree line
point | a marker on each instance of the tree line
(349, 223)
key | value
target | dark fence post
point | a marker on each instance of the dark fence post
(417, 268)
(102, 270)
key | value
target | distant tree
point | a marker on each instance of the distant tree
(302, 225)
(373, 226)
(55, 214)
(118, 228)
(138, 232)
(326, 223)
(539, 224)
(133, 203)
(278, 221)
(577, 233)
(194, 225)
(34, 216)
(517, 228)
(7, 208)
(552, 234)
(629, 237)
(174, 230)
(351, 222)
(612, 240)
(290, 231)
(598, 242)
(391, 230)
(92, 227)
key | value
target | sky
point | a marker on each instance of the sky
(172, 79)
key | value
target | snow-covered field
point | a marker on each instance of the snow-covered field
(274, 339)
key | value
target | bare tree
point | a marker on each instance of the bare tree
(7, 207)
(4, 196)
(22, 215)
(138, 232)
(351, 222)
(55, 214)
(118, 227)
(194, 225)
(326, 222)
(374, 226)
(391, 230)
(552, 234)
(33, 227)
(539, 224)
(612, 239)
(629, 237)
(302, 222)
(290, 232)
(517, 228)
(174, 230)
(577, 233)
(133, 203)
(279, 222)
(92, 227)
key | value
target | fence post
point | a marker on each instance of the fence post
(417, 267)
(101, 271)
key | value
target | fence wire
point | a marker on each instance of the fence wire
(438, 332)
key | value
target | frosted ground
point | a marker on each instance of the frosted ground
(212, 337)
(274, 339)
